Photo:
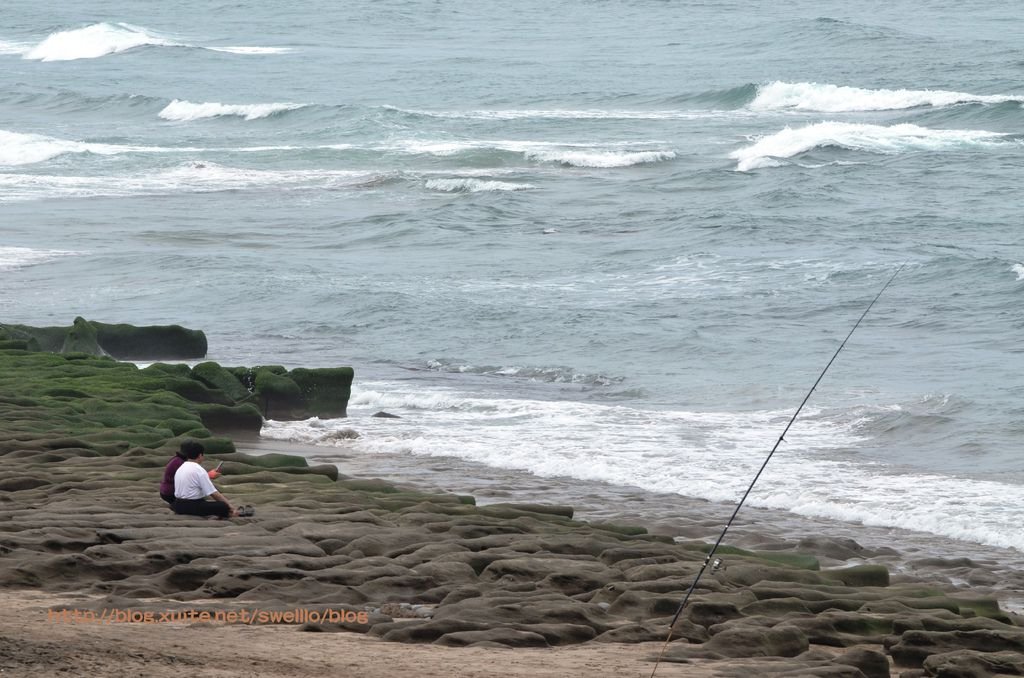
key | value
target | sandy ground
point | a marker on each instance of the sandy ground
(32, 645)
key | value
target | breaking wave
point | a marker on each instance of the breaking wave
(102, 39)
(95, 41)
(474, 185)
(765, 151)
(809, 96)
(186, 110)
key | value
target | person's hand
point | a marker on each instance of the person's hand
(213, 474)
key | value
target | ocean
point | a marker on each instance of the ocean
(607, 243)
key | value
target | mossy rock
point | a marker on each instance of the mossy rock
(861, 575)
(274, 460)
(72, 393)
(173, 370)
(19, 345)
(81, 338)
(798, 560)
(374, 485)
(983, 607)
(232, 420)
(326, 390)
(247, 375)
(216, 377)
(192, 428)
(196, 391)
(629, 530)
(516, 510)
(213, 445)
(278, 395)
(125, 342)
(154, 342)
(49, 339)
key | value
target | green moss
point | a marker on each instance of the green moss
(278, 395)
(236, 419)
(176, 370)
(861, 575)
(983, 607)
(273, 460)
(619, 529)
(81, 338)
(326, 390)
(167, 342)
(218, 378)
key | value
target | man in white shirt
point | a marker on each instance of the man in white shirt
(192, 486)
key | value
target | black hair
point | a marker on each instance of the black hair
(190, 449)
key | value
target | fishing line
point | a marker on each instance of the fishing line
(711, 553)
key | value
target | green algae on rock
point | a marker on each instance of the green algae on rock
(124, 342)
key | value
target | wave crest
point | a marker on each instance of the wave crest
(855, 136)
(12, 258)
(810, 96)
(580, 158)
(474, 185)
(184, 111)
(94, 41)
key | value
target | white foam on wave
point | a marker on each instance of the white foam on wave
(623, 154)
(474, 185)
(1019, 270)
(17, 148)
(711, 455)
(12, 258)
(810, 96)
(571, 114)
(183, 111)
(252, 50)
(605, 159)
(101, 39)
(95, 41)
(14, 48)
(194, 177)
(766, 150)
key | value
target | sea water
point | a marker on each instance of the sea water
(605, 242)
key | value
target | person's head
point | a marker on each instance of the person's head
(192, 450)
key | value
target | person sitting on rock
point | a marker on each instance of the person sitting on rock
(167, 483)
(192, 486)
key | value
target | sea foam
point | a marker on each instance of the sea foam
(12, 258)
(98, 40)
(855, 136)
(576, 155)
(706, 454)
(17, 148)
(604, 159)
(809, 96)
(13, 48)
(188, 177)
(95, 41)
(568, 114)
(474, 185)
(251, 50)
(186, 110)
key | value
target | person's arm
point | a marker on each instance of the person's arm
(220, 497)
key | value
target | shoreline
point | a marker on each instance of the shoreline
(532, 577)
(916, 554)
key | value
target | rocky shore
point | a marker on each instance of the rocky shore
(83, 440)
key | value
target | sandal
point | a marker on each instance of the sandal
(246, 511)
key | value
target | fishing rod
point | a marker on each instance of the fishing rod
(711, 553)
